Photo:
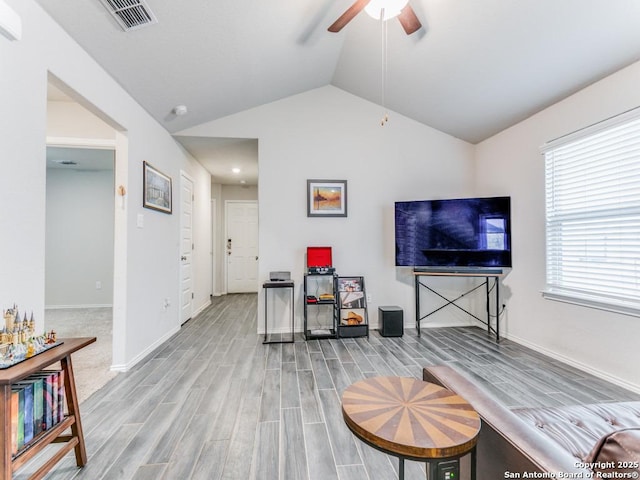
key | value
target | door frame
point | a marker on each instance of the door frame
(226, 235)
(120, 146)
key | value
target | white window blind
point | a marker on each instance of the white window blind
(593, 215)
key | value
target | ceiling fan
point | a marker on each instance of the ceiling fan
(380, 8)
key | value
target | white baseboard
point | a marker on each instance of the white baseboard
(580, 366)
(138, 358)
(60, 307)
(129, 365)
(201, 309)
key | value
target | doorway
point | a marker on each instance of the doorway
(241, 246)
(79, 227)
(79, 244)
(86, 157)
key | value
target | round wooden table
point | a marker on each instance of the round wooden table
(412, 419)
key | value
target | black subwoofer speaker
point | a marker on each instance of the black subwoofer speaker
(391, 321)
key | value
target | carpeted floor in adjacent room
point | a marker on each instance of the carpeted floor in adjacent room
(91, 364)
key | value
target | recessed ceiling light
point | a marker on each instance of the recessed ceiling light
(235, 170)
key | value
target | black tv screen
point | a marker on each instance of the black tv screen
(465, 232)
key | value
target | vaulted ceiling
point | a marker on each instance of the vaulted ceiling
(475, 68)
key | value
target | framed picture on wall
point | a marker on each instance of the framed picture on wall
(156, 190)
(326, 198)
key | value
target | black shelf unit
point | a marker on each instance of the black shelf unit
(353, 320)
(320, 315)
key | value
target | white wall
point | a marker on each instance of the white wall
(328, 133)
(146, 259)
(70, 120)
(235, 192)
(601, 342)
(79, 238)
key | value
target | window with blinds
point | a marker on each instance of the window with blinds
(593, 215)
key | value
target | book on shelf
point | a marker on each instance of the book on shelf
(20, 432)
(15, 408)
(27, 388)
(60, 396)
(49, 397)
(33, 388)
(54, 398)
(37, 404)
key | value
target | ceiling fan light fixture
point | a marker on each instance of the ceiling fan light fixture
(391, 8)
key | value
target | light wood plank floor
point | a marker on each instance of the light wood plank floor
(215, 403)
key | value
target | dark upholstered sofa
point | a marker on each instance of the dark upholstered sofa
(581, 441)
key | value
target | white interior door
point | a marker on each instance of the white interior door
(186, 248)
(214, 250)
(242, 246)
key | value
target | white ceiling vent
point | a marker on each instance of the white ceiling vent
(130, 14)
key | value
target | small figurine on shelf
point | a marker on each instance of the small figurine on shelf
(18, 339)
(52, 337)
(10, 353)
(10, 317)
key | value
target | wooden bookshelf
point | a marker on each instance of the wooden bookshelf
(57, 434)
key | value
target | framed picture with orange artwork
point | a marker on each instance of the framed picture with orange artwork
(326, 198)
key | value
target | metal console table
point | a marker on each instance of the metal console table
(486, 274)
(271, 285)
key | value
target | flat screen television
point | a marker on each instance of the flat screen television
(454, 233)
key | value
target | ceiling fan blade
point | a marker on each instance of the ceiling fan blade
(409, 20)
(348, 15)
